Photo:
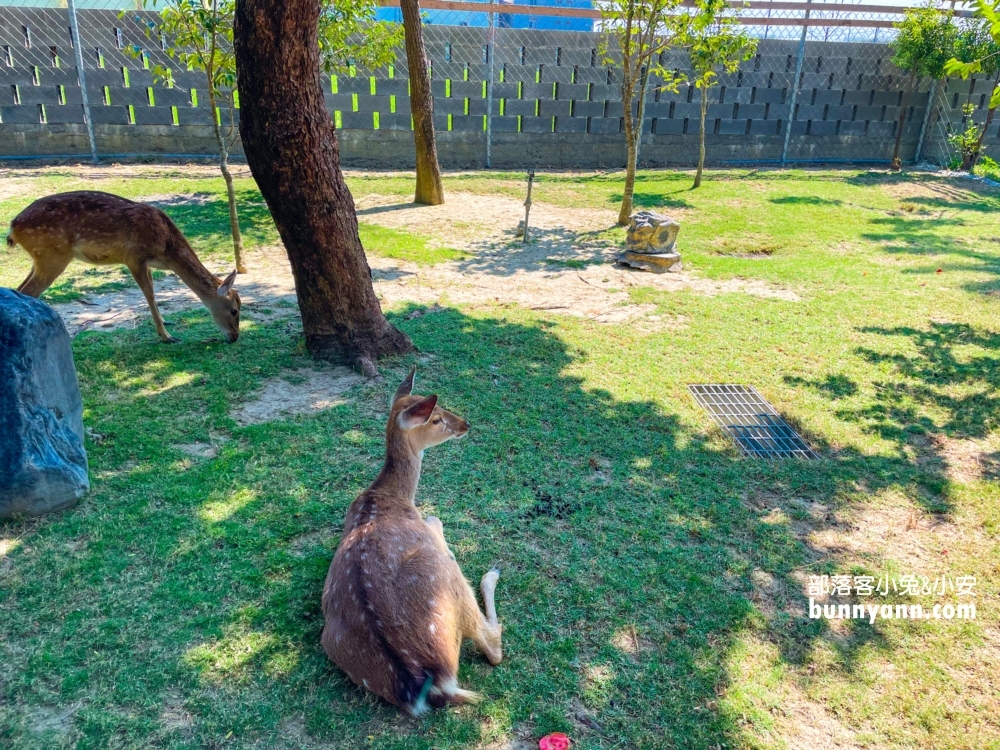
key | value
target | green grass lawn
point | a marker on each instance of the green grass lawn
(178, 605)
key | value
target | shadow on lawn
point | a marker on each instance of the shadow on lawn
(629, 548)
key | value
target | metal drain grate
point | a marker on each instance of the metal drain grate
(752, 422)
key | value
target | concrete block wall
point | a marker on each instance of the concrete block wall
(555, 102)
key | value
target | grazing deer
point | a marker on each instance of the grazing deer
(105, 229)
(396, 605)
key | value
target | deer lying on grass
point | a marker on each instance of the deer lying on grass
(396, 605)
(105, 229)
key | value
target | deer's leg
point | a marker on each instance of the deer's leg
(43, 273)
(486, 630)
(145, 281)
(27, 279)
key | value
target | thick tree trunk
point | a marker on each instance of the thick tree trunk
(897, 164)
(701, 137)
(234, 219)
(429, 189)
(292, 150)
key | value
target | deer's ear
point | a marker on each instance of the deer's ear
(419, 413)
(406, 387)
(226, 285)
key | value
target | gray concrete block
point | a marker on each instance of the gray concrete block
(111, 115)
(732, 127)
(881, 129)
(525, 107)
(719, 111)
(447, 106)
(770, 96)
(356, 120)
(393, 87)
(39, 95)
(822, 127)
(605, 125)
(867, 113)
(667, 126)
(763, 127)
(571, 124)
(505, 90)
(536, 124)
(555, 108)
(809, 112)
(398, 121)
(600, 91)
(467, 89)
(588, 109)
(828, 96)
(685, 109)
(354, 85)
(467, 123)
(339, 102)
(566, 91)
(153, 116)
(537, 91)
(890, 98)
(504, 125)
(848, 127)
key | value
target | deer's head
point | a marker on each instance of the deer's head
(225, 308)
(420, 421)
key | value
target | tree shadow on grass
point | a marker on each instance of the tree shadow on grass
(628, 542)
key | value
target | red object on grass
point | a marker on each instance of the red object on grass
(940, 270)
(554, 741)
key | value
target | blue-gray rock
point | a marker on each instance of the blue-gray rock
(43, 465)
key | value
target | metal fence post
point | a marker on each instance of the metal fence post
(81, 78)
(931, 102)
(490, 45)
(795, 87)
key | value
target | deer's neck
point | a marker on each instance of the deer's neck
(400, 474)
(189, 269)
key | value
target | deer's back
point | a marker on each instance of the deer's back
(392, 602)
(94, 227)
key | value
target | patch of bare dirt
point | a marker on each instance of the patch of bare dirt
(628, 640)
(804, 723)
(939, 189)
(198, 450)
(298, 392)
(174, 199)
(174, 717)
(267, 292)
(321, 538)
(969, 460)
(567, 268)
(57, 719)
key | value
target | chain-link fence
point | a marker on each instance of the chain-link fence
(514, 85)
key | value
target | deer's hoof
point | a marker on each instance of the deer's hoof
(170, 340)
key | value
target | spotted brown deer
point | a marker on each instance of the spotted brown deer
(104, 229)
(396, 605)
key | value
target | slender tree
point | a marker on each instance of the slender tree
(923, 44)
(291, 147)
(716, 43)
(200, 37)
(429, 189)
(640, 31)
(977, 50)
